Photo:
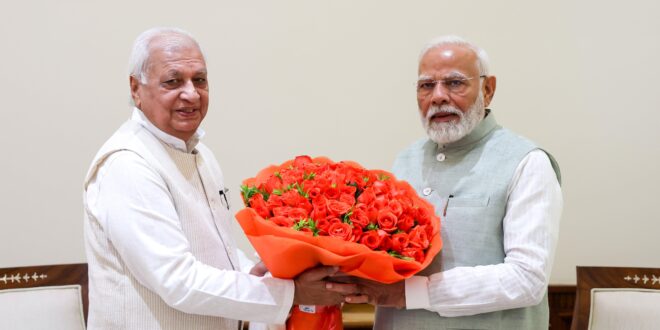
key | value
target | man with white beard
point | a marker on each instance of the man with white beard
(499, 199)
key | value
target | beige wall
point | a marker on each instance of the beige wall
(335, 78)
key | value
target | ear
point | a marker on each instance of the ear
(488, 88)
(135, 87)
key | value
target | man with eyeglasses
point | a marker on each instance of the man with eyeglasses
(499, 198)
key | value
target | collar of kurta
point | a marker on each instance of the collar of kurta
(172, 141)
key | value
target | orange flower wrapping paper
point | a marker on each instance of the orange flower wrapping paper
(288, 252)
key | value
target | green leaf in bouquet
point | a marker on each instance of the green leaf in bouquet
(247, 193)
(300, 189)
(398, 255)
(309, 176)
(347, 216)
(306, 223)
(372, 226)
(358, 191)
(265, 194)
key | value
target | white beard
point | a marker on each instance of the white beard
(448, 132)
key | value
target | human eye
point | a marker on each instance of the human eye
(171, 83)
(426, 85)
(200, 81)
(454, 82)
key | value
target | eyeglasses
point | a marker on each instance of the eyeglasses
(454, 85)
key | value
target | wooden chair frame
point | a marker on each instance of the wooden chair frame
(51, 275)
(608, 277)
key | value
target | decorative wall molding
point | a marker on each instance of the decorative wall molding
(635, 278)
(17, 278)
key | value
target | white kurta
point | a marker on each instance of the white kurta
(158, 240)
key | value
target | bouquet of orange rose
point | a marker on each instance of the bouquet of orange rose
(307, 211)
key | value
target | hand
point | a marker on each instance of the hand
(379, 294)
(259, 269)
(312, 289)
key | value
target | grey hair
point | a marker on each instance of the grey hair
(139, 60)
(482, 56)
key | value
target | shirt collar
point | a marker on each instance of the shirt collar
(172, 141)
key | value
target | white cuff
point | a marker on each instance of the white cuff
(289, 292)
(417, 292)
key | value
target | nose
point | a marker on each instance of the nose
(189, 92)
(439, 95)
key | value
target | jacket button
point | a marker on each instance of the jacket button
(427, 191)
(440, 157)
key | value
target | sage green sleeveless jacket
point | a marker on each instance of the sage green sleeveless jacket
(476, 171)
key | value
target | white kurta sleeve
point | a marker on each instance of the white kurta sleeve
(531, 227)
(135, 209)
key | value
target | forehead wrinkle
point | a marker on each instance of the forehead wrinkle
(176, 68)
(456, 74)
(173, 72)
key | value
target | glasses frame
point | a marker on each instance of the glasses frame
(444, 83)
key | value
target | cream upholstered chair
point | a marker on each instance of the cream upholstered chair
(43, 297)
(617, 298)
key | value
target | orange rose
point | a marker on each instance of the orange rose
(418, 238)
(356, 234)
(274, 201)
(381, 188)
(359, 218)
(385, 241)
(405, 222)
(258, 203)
(367, 197)
(341, 230)
(332, 192)
(399, 242)
(371, 239)
(282, 221)
(292, 198)
(396, 207)
(337, 208)
(387, 220)
(301, 161)
(347, 198)
(282, 211)
(415, 253)
(297, 213)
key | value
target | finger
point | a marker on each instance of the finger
(259, 269)
(342, 278)
(342, 288)
(357, 299)
(333, 299)
(318, 273)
